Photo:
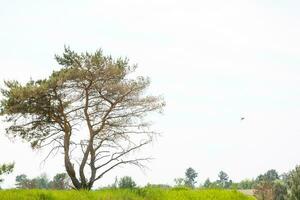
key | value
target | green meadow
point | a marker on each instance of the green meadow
(118, 194)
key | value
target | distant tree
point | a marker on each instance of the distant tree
(294, 184)
(264, 191)
(272, 175)
(233, 186)
(22, 182)
(270, 186)
(6, 169)
(115, 184)
(126, 182)
(60, 181)
(223, 180)
(247, 184)
(190, 177)
(179, 182)
(269, 176)
(41, 182)
(207, 183)
(93, 99)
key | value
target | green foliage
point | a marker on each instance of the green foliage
(136, 194)
(294, 184)
(40, 103)
(126, 182)
(6, 169)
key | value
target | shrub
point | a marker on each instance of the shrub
(126, 182)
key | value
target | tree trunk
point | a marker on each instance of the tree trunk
(68, 165)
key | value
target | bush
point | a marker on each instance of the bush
(126, 182)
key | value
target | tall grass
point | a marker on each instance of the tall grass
(137, 194)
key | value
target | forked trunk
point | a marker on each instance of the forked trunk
(68, 165)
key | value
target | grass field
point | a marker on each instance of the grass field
(137, 194)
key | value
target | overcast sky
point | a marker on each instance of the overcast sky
(214, 61)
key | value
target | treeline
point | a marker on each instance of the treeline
(267, 186)
(190, 181)
(60, 181)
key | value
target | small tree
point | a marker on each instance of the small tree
(126, 182)
(190, 177)
(6, 169)
(93, 106)
(223, 180)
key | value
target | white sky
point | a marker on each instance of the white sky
(214, 62)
